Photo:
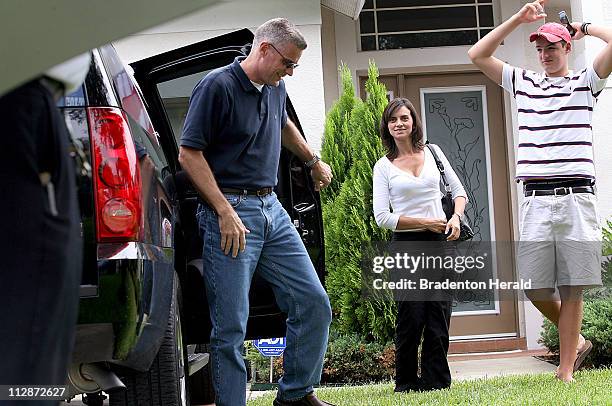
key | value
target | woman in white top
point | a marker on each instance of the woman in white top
(407, 200)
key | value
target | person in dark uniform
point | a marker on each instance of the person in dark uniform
(40, 239)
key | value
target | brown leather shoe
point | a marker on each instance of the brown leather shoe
(308, 400)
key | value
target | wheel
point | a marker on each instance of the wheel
(201, 387)
(165, 384)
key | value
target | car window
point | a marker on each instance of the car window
(126, 89)
(175, 95)
(130, 98)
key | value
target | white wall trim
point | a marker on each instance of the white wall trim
(484, 337)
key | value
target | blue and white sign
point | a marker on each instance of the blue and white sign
(271, 347)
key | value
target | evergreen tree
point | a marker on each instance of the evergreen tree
(336, 150)
(349, 219)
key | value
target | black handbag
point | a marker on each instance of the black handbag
(448, 204)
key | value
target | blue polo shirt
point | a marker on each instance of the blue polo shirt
(237, 127)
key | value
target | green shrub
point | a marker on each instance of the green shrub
(607, 238)
(604, 292)
(352, 144)
(596, 326)
(335, 149)
(350, 359)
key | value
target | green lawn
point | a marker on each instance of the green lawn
(593, 387)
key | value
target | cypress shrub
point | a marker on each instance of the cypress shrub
(348, 217)
(335, 149)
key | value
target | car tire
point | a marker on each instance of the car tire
(201, 387)
(165, 383)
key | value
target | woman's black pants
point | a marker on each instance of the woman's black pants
(429, 320)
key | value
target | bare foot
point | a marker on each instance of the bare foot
(581, 346)
(564, 374)
(581, 343)
(567, 378)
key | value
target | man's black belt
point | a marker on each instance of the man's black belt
(558, 187)
(264, 191)
(559, 191)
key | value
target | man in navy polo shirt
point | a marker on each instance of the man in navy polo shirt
(230, 148)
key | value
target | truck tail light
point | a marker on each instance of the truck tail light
(116, 176)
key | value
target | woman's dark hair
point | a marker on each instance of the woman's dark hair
(417, 129)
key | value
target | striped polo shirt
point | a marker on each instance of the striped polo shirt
(554, 118)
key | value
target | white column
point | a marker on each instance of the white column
(599, 12)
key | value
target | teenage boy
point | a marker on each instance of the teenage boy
(555, 164)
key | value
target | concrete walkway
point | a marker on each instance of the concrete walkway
(474, 366)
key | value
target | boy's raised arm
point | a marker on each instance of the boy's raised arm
(482, 52)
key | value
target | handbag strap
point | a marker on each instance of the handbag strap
(440, 166)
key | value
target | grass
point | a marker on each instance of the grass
(592, 387)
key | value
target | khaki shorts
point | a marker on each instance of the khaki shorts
(560, 241)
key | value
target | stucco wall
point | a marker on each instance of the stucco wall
(306, 86)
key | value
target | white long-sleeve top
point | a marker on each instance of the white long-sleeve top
(399, 193)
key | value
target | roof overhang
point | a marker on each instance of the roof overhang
(349, 8)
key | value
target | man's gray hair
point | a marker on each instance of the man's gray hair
(279, 31)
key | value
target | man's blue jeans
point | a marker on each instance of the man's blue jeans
(276, 251)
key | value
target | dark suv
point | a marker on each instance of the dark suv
(143, 320)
